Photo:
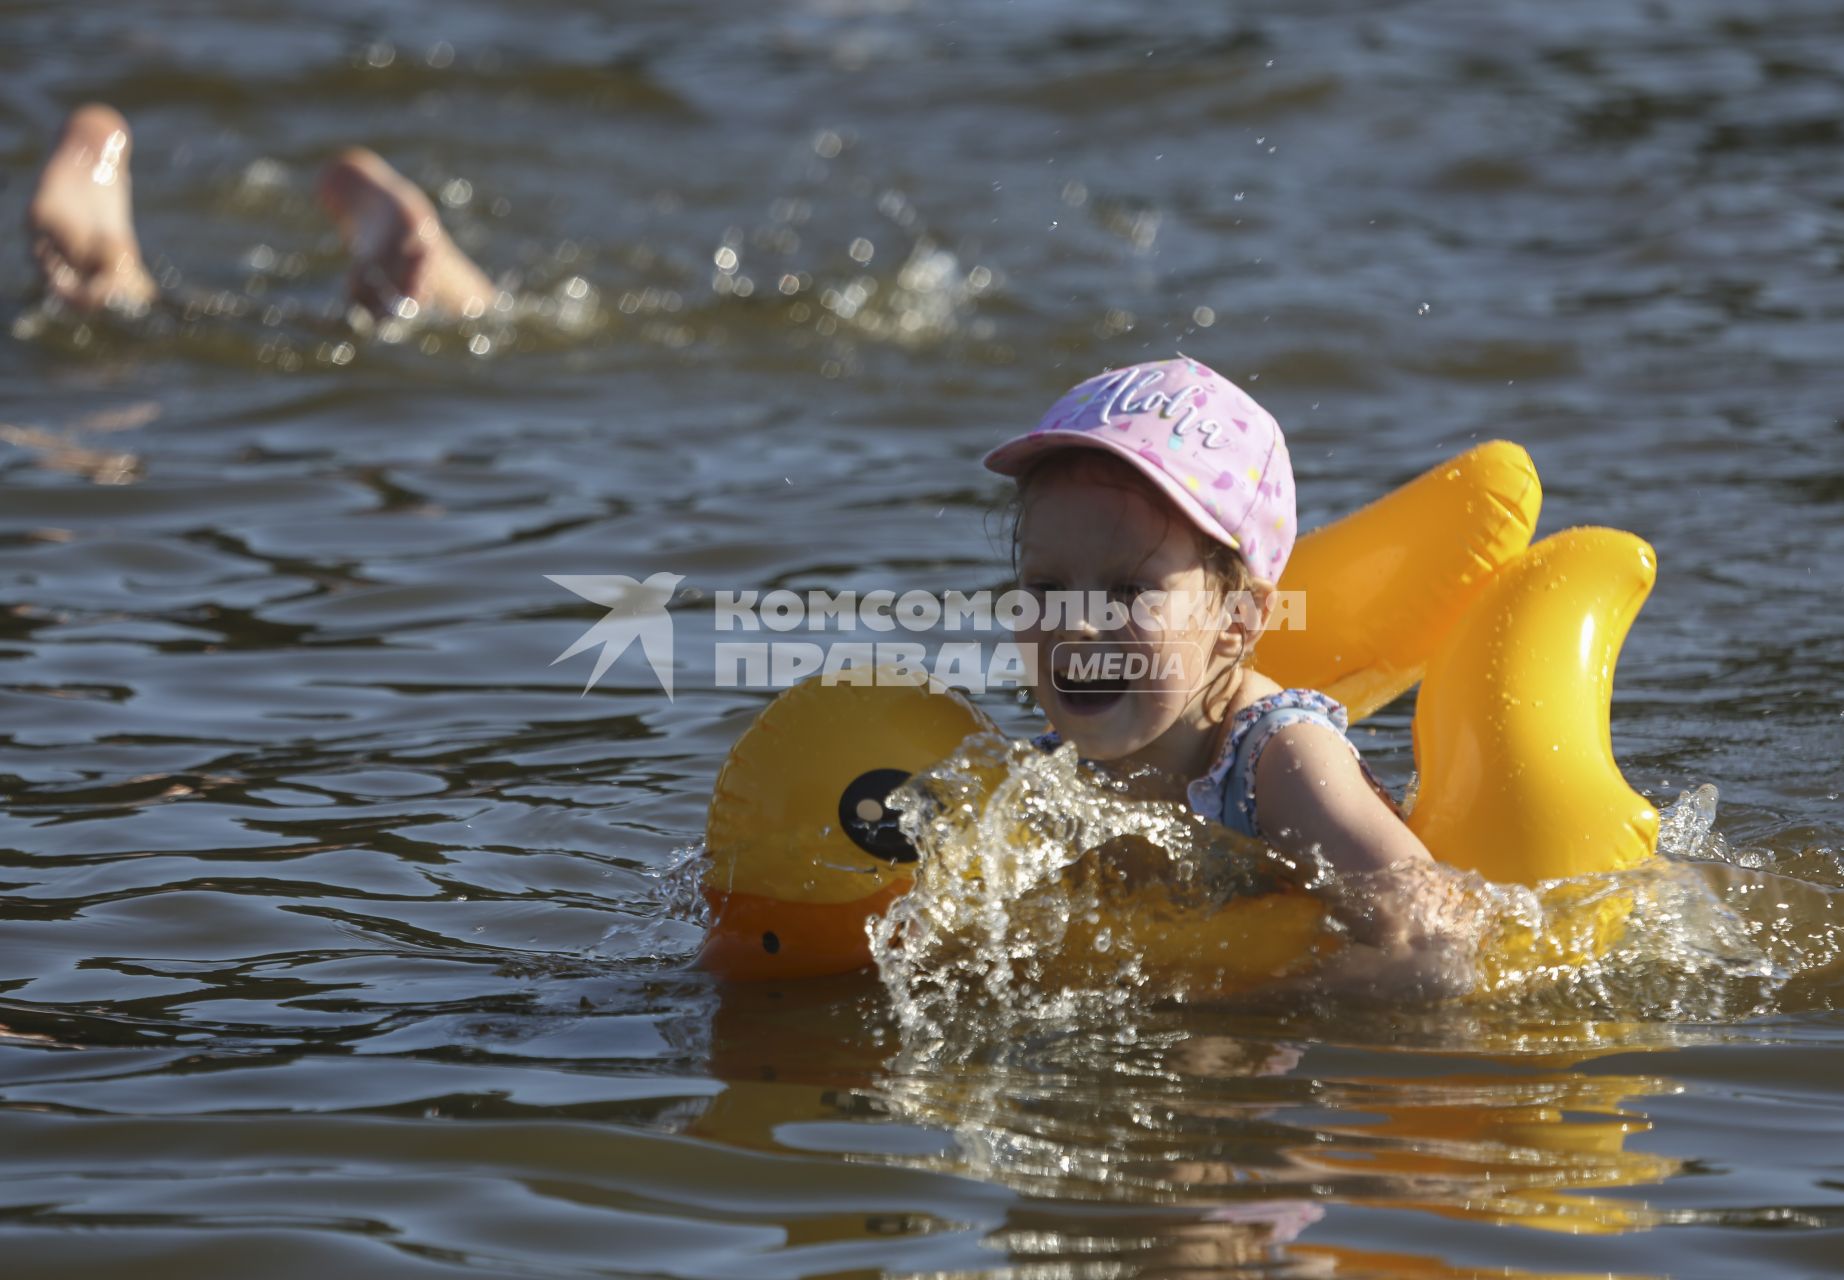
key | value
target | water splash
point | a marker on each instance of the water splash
(298, 332)
(1687, 827)
(1027, 860)
(680, 892)
(1031, 910)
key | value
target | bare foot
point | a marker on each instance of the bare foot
(400, 253)
(81, 221)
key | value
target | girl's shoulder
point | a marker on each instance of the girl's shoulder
(1265, 714)
(1226, 793)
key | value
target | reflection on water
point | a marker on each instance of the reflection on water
(1205, 1132)
(333, 934)
(1185, 1139)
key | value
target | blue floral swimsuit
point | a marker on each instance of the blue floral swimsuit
(1226, 793)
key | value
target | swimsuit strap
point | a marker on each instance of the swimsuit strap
(1227, 792)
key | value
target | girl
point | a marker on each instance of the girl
(1160, 497)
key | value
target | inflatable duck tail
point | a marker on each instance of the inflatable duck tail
(1511, 725)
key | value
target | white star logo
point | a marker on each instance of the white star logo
(635, 610)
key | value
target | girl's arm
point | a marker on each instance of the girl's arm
(1311, 795)
(1312, 798)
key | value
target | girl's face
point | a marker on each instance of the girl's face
(1134, 692)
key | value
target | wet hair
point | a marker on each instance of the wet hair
(1225, 571)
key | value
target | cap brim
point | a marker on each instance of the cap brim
(1015, 456)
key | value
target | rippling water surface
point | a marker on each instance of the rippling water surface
(334, 921)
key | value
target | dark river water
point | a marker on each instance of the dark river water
(337, 928)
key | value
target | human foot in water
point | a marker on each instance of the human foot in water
(80, 221)
(400, 253)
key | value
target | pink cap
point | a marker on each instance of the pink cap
(1210, 448)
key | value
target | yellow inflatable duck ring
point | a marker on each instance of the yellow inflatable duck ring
(1514, 646)
(809, 852)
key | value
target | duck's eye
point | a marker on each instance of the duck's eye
(870, 823)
